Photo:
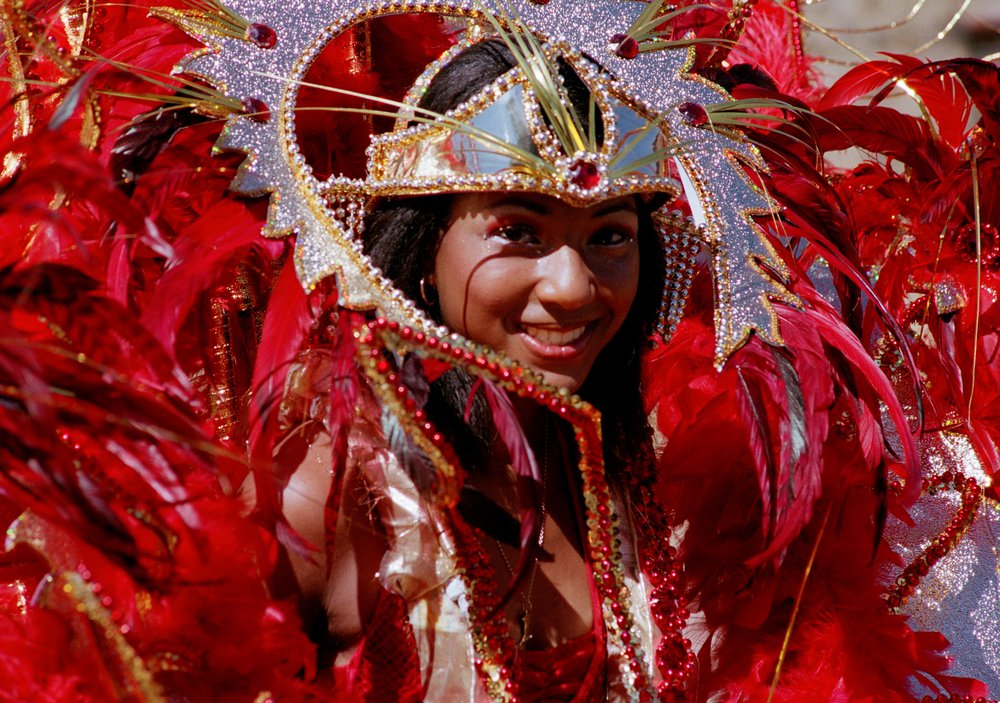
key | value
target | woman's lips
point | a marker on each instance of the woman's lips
(558, 337)
(558, 342)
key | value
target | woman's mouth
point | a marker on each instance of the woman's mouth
(555, 337)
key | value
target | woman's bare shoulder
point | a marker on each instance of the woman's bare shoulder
(340, 574)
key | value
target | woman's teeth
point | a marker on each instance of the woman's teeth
(557, 338)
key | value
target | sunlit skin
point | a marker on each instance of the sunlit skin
(546, 283)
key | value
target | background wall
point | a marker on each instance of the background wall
(904, 26)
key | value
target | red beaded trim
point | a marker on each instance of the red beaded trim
(495, 650)
(731, 32)
(395, 396)
(674, 659)
(902, 588)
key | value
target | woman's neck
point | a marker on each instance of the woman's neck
(532, 418)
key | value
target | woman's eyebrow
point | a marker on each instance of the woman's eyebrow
(626, 205)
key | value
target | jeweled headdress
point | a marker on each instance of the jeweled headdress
(516, 134)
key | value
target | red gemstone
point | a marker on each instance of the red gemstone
(625, 46)
(585, 175)
(256, 109)
(694, 114)
(262, 35)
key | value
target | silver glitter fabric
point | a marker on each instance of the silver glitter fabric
(960, 596)
(722, 198)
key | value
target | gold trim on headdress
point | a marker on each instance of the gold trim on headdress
(500, 140)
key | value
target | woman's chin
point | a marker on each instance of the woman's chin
(563, 379)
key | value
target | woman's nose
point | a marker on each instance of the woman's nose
(565, 279)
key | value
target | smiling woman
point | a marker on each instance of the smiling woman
(546, 283)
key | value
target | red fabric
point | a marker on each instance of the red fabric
(562, 673)
(385, 666)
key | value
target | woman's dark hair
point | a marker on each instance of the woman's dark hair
(401, 237)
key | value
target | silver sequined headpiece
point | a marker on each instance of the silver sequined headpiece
(644, 98)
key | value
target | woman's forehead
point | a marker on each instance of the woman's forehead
(537, 203)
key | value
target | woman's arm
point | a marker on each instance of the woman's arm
(338, 580)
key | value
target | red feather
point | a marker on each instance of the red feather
(203, 257)
(982, 81)
(286, 323)
(884, 131)
(529, 479)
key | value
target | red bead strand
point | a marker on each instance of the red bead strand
(906, 583)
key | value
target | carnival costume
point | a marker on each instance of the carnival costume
(158, 350)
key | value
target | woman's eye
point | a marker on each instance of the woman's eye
(517, 234)
(611, 237)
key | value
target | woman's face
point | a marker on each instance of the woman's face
(546, 283)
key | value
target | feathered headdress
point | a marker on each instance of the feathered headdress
(518, 133)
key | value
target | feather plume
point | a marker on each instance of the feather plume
(528, 475)
(286, 323)
(344, 394)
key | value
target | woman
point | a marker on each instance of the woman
(571, 293)
(531, 231)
